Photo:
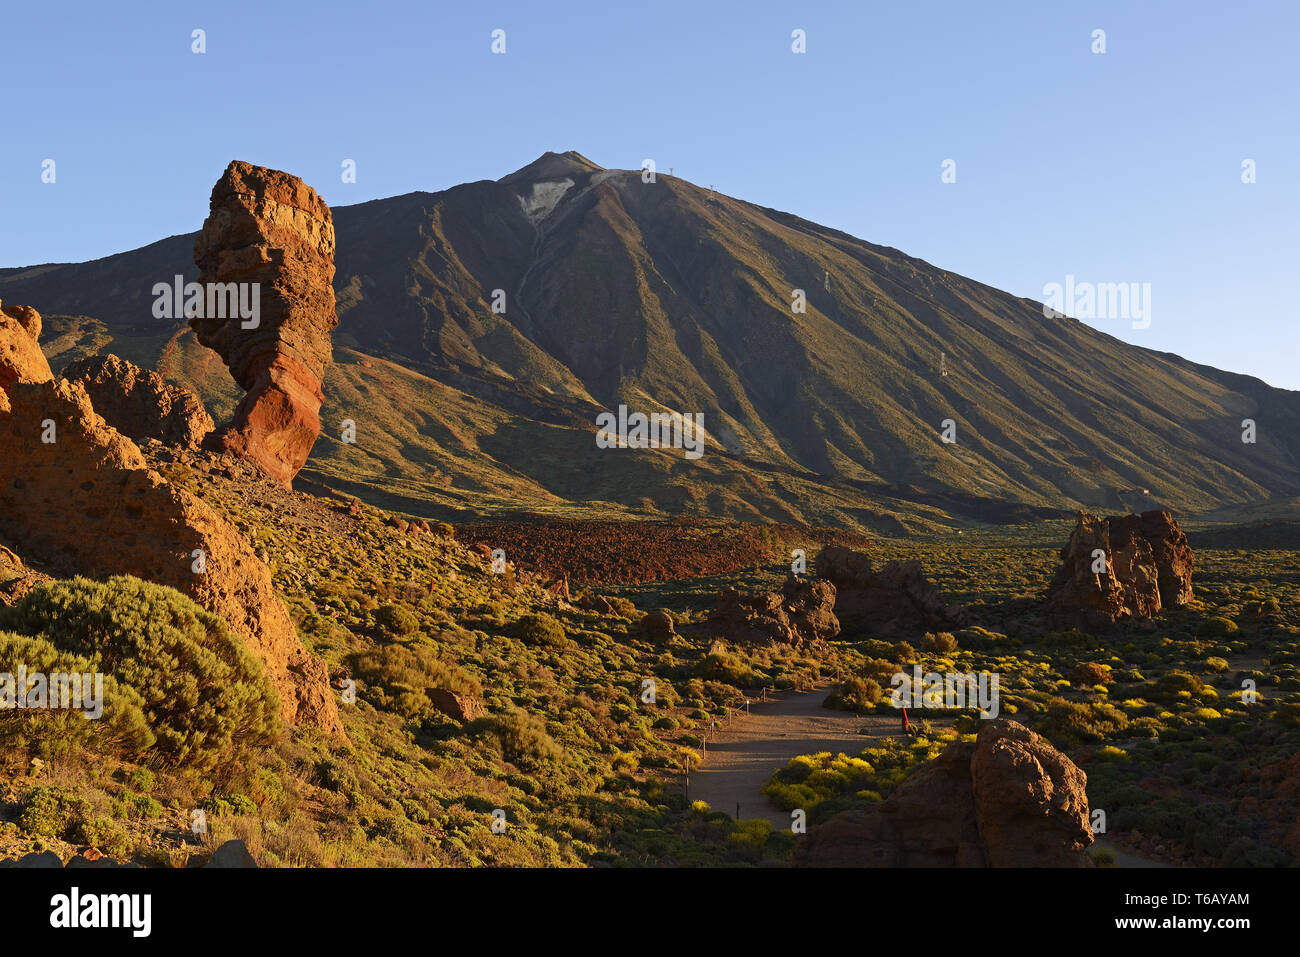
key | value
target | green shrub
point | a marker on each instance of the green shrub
(45, 812)
(942, 643)
(727, 668)
(122, 729)
(396, 678)
(855, 694)
(523, 737)
(397, 620)
(541, 629)
(1076, 722)
(1218, 627)
(204, 694)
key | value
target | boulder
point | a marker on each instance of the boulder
(590, 601)
(87, 503)
(1031, 802)
(897, 596)
(139, 403)
(659, 626)
(270, 230)
(801, 615)
(1007, 799)
(1146, 568)
(454, 704)
(231, 854)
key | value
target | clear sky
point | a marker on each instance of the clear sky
(1124, 166)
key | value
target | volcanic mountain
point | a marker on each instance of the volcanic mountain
(485, 327)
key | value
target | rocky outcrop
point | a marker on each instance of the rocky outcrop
(1146, 567)
(898, 596)
(1007, 799)
(269, 230)
(21, 359)
(801, 615)
(139, 403)
(78, 495)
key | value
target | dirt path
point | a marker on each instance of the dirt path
(741, 759)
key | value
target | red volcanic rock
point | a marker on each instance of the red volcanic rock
(1147, 567)
(1030, 800)
(16, 579)
(461, 707)
(658, 626)
(802, 614)
(21, 359)
(898, 595)
(1007, 799)
(139, 403)
(589, 601)
(86, 502)
(270, 229)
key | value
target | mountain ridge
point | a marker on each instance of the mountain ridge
(668, 296)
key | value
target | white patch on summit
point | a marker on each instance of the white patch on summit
(544, 198)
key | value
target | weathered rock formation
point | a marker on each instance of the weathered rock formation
(897, 596)
(802, 614)
(21, 359)
(139, 403)
(78, 495)
(1147, 568)
(270, 230)
(1007, 799)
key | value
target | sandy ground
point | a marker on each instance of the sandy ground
(742, 758)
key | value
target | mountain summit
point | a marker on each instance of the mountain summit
(485, 327)
(553, 166)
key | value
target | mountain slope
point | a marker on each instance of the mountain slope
(666, 296)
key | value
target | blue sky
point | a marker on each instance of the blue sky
(1115, 167)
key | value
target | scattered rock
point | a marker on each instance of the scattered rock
(461, 707)
(590, 601)
(43, 859)
(801, 615)
(898, 596)
(659, 626)
(139, 403)
(1007, 799)
(1147, 568)
(231, 854)
(269, 228)
(16, 579)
